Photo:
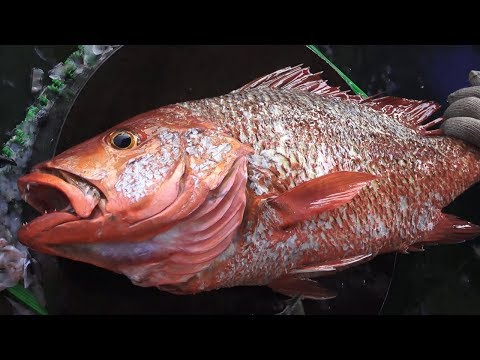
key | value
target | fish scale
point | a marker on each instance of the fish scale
(410, 166)
(280, 181)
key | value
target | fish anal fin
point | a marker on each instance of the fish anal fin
(304, 288)
(450, 230)
(318, 195)
(331, 266)
(415, 248)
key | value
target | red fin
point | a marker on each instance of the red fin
(415, 248)
(318, 195)
(304, 288)
(411, 113)
(298, 78)
(329, 266)
(429, 129)
(450, 230)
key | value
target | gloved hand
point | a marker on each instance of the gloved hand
(463, 114)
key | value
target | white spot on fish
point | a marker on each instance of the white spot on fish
(168, 137)
(424, 221)
(377, 226)
(339, 221)
(205, 154)
(143, 172)
(247, 114)
(403, 204)
(291, 241)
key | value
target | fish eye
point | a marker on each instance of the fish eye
(123, 140)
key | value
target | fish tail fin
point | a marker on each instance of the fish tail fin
(449, 230)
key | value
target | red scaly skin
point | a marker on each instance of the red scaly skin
(185, 210)
(298, 137)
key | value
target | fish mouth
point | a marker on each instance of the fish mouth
(61, 196)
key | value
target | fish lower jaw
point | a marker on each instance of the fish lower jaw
(69, 211)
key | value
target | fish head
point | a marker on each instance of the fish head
(136, 194)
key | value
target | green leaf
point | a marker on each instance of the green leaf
(350, 83)
(27, 298)
(7, 151)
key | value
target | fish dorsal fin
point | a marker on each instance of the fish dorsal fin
(298, 78)
(318, 195)
(411, 113)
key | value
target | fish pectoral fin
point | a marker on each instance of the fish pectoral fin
(449, 230)
(318, 195)
(304, 288)
(326, 268)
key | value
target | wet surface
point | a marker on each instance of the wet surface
(444, 279)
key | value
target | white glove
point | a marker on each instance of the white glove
(463, 114)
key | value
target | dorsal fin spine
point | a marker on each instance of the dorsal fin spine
(411, 113)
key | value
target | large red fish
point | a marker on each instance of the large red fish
(275, 183)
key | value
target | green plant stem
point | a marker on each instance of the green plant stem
(27, 298)
(350, 83)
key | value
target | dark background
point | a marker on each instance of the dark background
(442, 280)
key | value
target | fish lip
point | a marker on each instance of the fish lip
(71, 193)
(37, 234)
(43, 224)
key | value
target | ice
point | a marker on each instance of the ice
(37, 80)
(57, 73)
(15, 262)
(100, 49)
(89, 55)
(12, 262)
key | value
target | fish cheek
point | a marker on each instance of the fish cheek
(212, 154)
(145, 191)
